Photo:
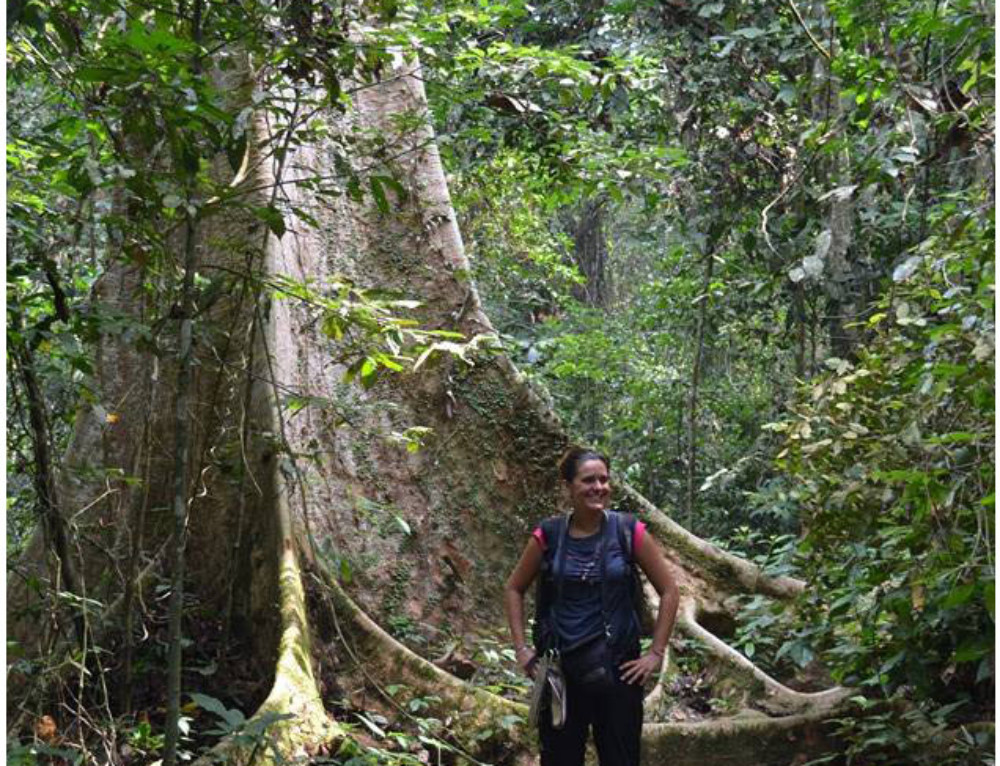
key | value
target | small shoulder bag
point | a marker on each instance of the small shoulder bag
(549, 689)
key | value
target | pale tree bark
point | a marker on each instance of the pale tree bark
(696, 371)
(840, 283)
(468, 498)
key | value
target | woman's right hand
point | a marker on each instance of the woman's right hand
(526, 658)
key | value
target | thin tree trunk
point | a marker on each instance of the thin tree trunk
(138, 529)
(590, 253)
(53, 524)
(696, 381)
(839, 280)
(182, 451)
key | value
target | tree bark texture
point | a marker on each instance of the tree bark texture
(590, 252)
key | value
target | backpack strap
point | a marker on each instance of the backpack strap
(626, 534)
(551, 528)
(559, 565)
(554, 530)
(626, 539)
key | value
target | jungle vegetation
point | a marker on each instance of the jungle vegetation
(276, 430)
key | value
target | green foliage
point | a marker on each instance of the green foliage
(250, 735)
(622, 379)
(828, 166)
(143, 739)
(374, 336)
(518, 260)
(894, 461)
(833, 161)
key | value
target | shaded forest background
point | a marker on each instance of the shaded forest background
(747, 249)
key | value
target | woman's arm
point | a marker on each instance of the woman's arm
(654, 565)
(518, 583)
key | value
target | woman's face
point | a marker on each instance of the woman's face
(590, 489)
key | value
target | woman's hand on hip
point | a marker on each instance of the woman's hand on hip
(638, 670)
(526, 660)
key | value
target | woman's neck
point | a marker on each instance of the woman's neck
(586, 521)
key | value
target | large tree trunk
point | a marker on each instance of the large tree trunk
(320, 489)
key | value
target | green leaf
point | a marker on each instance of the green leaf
(378, 193)
(352, 371)
(395, 186)
(750, 33)
(233, 718)
(959, 595)
(970, 651)
(273, 218)
(372, 726)
(333, 326)
(369, 371)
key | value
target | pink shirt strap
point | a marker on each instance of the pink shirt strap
(539, 536)
(640, 534)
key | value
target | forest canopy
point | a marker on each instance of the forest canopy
(305, 299)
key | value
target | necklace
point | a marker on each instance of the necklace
(587, 570)
(586, 563)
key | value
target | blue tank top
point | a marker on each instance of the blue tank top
(580, 616)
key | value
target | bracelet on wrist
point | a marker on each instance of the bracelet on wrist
(657, 652)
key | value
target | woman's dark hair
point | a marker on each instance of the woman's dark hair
(574, 456)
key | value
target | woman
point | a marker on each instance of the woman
(587, 614)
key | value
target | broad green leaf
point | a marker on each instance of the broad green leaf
(959, 594)
(378, 194)
(273, 218)
(972, 650)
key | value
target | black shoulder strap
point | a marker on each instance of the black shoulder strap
(558, 572)
(559, 555)
(550, 528)
(626, 534)
(544, 595)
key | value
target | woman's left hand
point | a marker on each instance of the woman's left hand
(637, 671)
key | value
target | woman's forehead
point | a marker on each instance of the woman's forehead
(591, 466)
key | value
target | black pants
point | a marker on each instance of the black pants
(611, 708)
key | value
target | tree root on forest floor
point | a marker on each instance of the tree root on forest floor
(381, 660)
(292, 722)
(774, 698)
(731, 573)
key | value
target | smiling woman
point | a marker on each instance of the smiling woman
(586, 617)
